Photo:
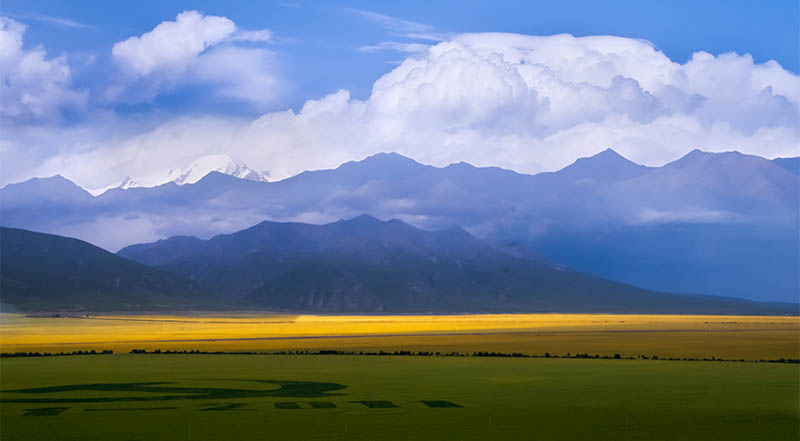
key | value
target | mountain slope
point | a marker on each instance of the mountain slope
(47, 272)
(366, 265)
(55, 191)
(792, 165)
(714, 186)
(606, 166)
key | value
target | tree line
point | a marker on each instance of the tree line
(456, 354)
(54, 354)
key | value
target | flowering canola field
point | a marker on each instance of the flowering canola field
(680, 336)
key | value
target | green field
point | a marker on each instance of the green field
(315, 397)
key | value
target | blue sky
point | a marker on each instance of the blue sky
(315, 49)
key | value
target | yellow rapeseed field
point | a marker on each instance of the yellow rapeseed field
(695, 336)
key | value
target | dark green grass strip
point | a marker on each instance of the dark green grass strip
(130, 408)
(45, 411)
(223, 407)
(321, 404)
(439, 403)
(165, 392)
(287, 405)
(377, 404)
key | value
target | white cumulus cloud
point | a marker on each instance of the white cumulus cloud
(31, 85)
(189, 50)
(172, 45)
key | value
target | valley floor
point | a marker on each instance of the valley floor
(290, 397)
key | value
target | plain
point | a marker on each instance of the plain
(228, 397)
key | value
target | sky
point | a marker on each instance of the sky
(98, 92)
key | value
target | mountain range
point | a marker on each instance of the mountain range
(708, 223)
(349, 266)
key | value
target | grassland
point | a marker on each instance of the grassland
(295, 397)
(729, 337)
(227, 397)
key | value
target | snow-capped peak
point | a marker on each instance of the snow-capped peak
(125, 184)
(191, 174)
(214, 163)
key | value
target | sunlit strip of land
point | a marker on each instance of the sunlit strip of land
(693, 336)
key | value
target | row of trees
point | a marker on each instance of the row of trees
(54, 354)
(450, 354)
(389, 353)
(193, 351)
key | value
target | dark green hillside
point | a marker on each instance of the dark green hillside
(47, 272)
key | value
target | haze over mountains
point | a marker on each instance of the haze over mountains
(710, 223)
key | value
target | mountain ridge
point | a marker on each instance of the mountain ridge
(194, 172)
(727, 223)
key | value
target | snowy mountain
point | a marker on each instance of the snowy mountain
(214, 163)
(124, 185)
(194, 172)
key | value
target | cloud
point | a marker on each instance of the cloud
(650, 216)
(58, 21)
(184, 51)
(526, 103)
(262, 36)
(33, 87)
(172, 45)
(392, 23)
(400, 28)
(253, 81)
(396, 25)
(408, 48)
